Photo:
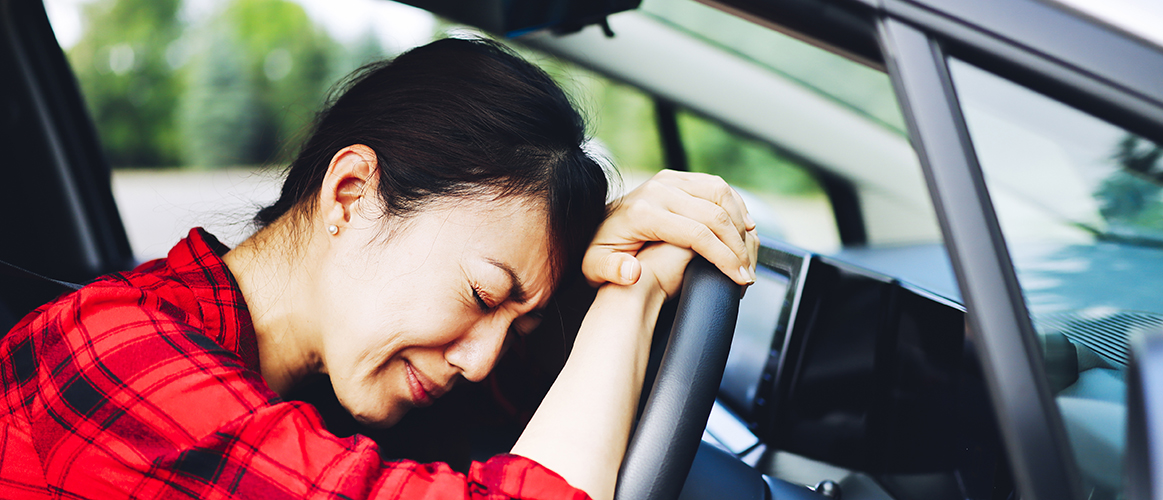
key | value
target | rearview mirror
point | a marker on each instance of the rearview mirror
(516, 17)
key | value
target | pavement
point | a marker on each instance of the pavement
(159, 206)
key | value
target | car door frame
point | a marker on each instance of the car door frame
(86, 238)
(1050, 50)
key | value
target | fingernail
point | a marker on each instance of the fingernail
(746, 275)
(627, 271)
(748, 221)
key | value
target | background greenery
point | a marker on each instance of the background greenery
(240, 87)
(233, 89)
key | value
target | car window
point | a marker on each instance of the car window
(200, 104)
(773, 185)
(856, 86)
(1080, 205)
(809, 101)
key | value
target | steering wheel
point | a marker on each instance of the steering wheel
(663, 447)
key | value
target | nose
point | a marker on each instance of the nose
(475, 353)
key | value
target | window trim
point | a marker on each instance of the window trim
(846, 208)
(1031, 427)
(1111, 92)
(673, 150)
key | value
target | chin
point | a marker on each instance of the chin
(378, 419)
(372, 413)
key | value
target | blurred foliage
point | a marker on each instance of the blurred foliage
(260, 70)
(1131, 198)
(746, 163)
(622, 120)
(288, 59)
(219, 115)
(620, 117)
(127, 79)
(241, 86)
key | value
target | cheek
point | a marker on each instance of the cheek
(374, 400)
(367, 366)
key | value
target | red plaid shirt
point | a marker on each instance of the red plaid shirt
(146, 385)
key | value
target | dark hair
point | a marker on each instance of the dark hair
(455, 118)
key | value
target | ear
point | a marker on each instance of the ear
(351, 175)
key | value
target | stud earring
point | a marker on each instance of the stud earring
(333, 229)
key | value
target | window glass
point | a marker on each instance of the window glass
(199, 104)
(772, 184)
(832, 113)
(863, 89)
(1080, 204)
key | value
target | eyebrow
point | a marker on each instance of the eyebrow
(516, 289)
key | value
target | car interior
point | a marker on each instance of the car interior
(854, 370)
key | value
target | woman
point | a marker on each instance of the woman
(437, 205)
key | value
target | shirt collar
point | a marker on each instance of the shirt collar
(197, 261)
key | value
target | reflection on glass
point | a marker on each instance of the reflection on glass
(860, 88)
(1079, 203)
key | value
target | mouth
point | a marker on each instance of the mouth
(424, 390)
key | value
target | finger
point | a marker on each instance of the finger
(715, 217)
(602, 264)
(685, 232)
(753, 248)
(753, 252)
(713, 188)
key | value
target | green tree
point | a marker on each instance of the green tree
(219, 113)
(262, 74)
(741, 161)
(289, 63)
(366, 49)
(128, 83)
(619, 116)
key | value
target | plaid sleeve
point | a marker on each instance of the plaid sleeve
(129, 399)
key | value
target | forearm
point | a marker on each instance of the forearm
(581, 429)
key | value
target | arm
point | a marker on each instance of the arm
(582, 427)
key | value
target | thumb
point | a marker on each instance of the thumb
(607, 265)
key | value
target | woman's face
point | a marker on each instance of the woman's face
(432, 300)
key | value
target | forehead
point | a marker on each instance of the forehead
(512, 231)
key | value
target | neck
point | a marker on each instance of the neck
(270, 271)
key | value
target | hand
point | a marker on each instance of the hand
(689, 210)
(663, 265)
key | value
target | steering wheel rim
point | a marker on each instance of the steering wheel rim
(664, 444)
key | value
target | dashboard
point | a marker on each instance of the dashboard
(843, 366)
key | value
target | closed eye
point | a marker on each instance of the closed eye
(476, 294)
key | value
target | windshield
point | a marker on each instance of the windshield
(859, 88)
(1080, 204)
